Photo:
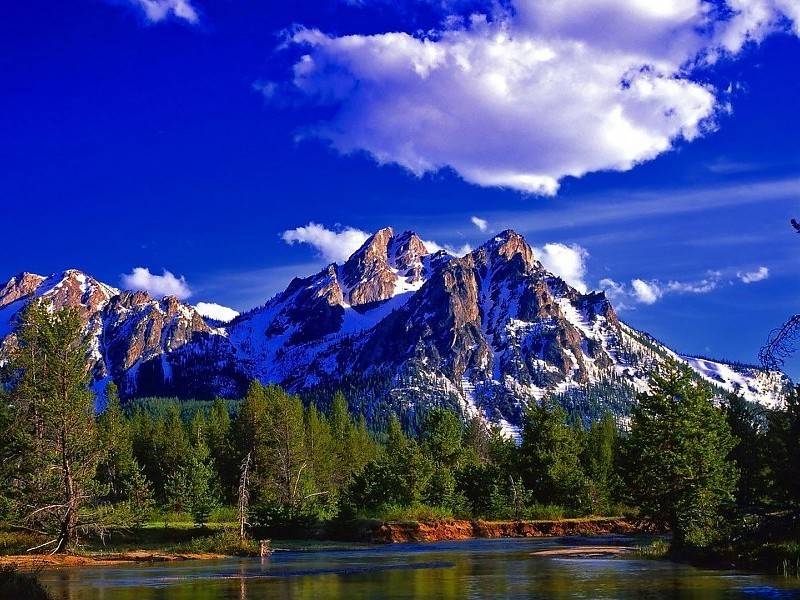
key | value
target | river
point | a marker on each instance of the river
(475, 569)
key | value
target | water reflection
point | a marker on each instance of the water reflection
(477, 569)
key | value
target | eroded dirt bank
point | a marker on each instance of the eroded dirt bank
(390, 532)
(32, 562)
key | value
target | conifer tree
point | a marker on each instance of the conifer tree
(56, 409)
(289, 477)
(678, 449)
(549, 457)
(118, 467)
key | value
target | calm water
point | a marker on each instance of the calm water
(473, 569)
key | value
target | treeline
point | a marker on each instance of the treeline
(704, 469)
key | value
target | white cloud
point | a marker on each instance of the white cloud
(550, 89)
(333, 246)
(568, 262)
(158, 10)
(759, 274)
(434, 247)
(156, 285)
(650, 291)
(481, 224)
(216, 311)
(646, 292)
(754, 20)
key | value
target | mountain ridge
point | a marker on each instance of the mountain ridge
(405, 328)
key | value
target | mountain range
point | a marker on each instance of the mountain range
(397, 327)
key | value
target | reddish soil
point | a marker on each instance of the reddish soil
(461, 530)
(31, 562)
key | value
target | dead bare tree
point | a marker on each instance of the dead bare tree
(782, 341)
(244, 494)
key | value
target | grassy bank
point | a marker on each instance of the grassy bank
(773, 558)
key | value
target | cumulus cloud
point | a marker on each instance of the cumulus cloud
(159, 10)
(646, 292)
(333, 246)
(759, 274)
(481, 224)
(216, 311)
(165, 284)
(568, 262)
(546, 90)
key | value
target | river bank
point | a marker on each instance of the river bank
(435, 531)
(356, 534)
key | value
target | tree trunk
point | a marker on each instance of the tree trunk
(69, 522)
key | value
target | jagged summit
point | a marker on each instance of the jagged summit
(399, 327)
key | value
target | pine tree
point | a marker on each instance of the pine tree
(441, 436)
(784, 452)
(749, 452)
(599, 461)
(201, 497)
(218, 434)
(289, 477)
(56, 409)
(549, 457)
(320, 454)
(118, 467)
(678, 449)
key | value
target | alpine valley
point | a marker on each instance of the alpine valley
(396, 327)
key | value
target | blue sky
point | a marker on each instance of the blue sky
(190, 136)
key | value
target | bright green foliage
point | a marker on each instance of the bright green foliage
(118, 468)
(549, 457)
(198, 473)
(321, 456)
(679, 443)
(288, 477)
(441, 435)
(485, 489)
(218, 436)
(400, 476)
(598, 458)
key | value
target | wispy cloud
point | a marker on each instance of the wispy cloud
(156, 11)
(625, 206)
(166, 284)
(650, 291)
(481, 224)
(759, 274)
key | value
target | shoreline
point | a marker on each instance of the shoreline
(446, 530)
(369, 532)
(34, 562)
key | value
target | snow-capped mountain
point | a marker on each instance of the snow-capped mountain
(397, 326)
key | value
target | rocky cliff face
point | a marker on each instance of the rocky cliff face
(132, 338)
(400, 327)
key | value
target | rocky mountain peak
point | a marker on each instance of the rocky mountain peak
(20, 286)
(372, 273)
(507, 245)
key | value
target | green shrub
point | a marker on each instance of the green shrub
(20, 586)
(18, 542)
(224, 514)
(225, 542)
(416, 512)
(655, 550)
(544, 512)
